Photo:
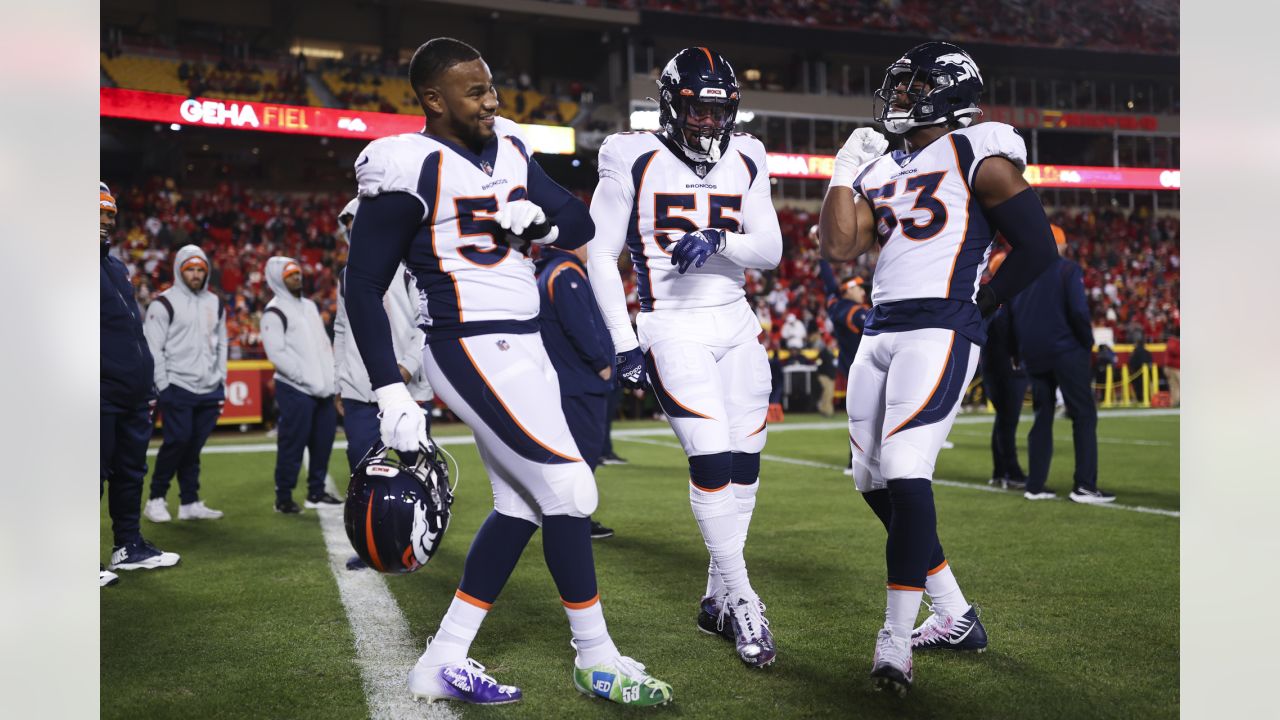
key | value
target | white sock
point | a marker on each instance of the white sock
(900, 614)
(590, 634)
(944, 591)
(457, 631)
(745, 496)
(717, 514)
(715, 584)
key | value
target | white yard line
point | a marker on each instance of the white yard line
(385, 650)
(936, 481)
(666, 431)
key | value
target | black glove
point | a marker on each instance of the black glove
(987, 302)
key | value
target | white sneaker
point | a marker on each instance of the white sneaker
(141, 555)
(197, 511)
(1045, 494)
(106, 577)
(891, 668)
(156, 511)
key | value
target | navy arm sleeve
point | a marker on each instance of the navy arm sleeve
(828, 278)
(1021, 220)
(574, 304)
(1078, 306)
(380, 238)
(562, 208)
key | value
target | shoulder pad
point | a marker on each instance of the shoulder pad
(619, 151)
(996, 139)
(393, 164)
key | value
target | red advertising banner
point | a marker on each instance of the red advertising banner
(818, 167)
(293, 119)
(245, 380)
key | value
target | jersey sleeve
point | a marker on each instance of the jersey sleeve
(388, 165)
(999, 140)
(613, 163)
(610, 210)
(759, 245)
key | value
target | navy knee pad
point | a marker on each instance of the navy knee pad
(711, 472)
(744, 468)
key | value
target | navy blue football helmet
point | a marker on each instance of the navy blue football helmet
(698, 98)
(940, 83)
(396, 514)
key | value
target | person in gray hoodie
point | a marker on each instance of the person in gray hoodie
(356, 400)
(187, 334)
(296, 343)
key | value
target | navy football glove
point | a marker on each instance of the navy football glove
(695, 247)
(987, 302)
(630, 368)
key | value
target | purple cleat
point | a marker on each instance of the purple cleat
(751, 630)
(710, 619)
(465, 682)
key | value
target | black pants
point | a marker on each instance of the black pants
(613, 398)
(1006, 389)
(306, 422)
(1070, 372)
(586, 414)
(361, 424)
(188, 420)
(124, 437)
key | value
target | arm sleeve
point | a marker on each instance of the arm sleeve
(610, 208)
(154, 330)
(828, 276)
(1078, 307)
(759, 246)
(273, 342)
(573, 306)
(562, 208)
(380, 238)
(1021, 220)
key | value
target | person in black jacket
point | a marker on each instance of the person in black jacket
(581, 350)
(127, 391)
(1055, 339)
(1005, 384)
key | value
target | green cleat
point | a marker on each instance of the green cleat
(622, 680)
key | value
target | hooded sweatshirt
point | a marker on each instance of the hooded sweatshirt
(187, 332)
(407, 339)
(294, 337)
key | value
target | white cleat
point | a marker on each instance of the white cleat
(891, 668)
(197, 511)
(156, 511)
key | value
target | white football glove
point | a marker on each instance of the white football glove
(864, 144)
(521, 216)
(402, 425)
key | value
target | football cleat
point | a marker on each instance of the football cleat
(1009, 482)
(1091, 496)
(156, 511)
(751, 630)
(464, 681)
(621, 680)
(197, 511)
(288, 507)
(317, 501)
(711, 620)
(891, 667)
(950, 632)
(141, 555)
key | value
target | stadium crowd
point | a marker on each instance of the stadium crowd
(1131, 261)
(1146, 26)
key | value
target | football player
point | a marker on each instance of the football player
(691, 203)
(460, 203)
(933, 208)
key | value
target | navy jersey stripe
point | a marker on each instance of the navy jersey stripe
(457, 365)
(635, 243)
(669, 405)
(857, 183)
(751, 167)
(964, 157)
(443, 298)
(962, 284)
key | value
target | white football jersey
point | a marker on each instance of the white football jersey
(668, 199)
(465, 270)
(934, 237)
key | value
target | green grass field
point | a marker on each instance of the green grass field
(1081, 603)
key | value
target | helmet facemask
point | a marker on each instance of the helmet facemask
(932, 96)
